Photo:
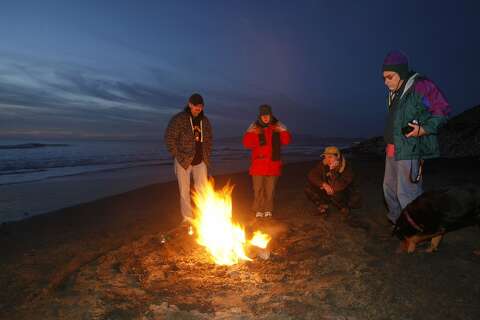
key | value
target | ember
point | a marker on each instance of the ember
(223, 239)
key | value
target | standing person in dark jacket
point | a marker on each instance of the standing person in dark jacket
(416, 109)
(331, 182)
(265, 137)
(189, 140)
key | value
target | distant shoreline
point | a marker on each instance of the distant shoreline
(33, 145)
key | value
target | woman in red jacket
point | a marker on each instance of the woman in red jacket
(265, 137)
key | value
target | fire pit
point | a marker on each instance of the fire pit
(215, 230)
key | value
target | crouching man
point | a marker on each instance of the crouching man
(331, 183)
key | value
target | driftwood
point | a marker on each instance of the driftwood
(60, 276)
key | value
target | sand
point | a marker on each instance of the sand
(105, 259)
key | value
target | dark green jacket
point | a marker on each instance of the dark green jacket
(420, 100)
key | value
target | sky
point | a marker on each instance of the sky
(121, 69)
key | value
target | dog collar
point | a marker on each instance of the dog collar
(412, 223)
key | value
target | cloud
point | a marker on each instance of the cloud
(42, 94)
(37, 95)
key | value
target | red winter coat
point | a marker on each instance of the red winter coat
(262, 164)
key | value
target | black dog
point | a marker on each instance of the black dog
(435, 213)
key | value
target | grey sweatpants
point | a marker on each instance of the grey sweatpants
(398, 190)
(200, 178)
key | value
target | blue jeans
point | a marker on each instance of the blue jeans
(398, 190)
(199, 173)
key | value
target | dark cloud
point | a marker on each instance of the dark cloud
(36, 97)
(95, 70)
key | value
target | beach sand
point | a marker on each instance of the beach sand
(105, 259)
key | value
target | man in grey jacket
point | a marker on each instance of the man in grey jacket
(189, 140)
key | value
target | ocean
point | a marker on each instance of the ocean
(41, 176)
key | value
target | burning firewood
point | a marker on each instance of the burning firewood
(215, 229)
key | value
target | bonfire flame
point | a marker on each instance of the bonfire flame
(215, 230)
(260, 239)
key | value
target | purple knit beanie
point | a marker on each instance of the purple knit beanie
(396, 61)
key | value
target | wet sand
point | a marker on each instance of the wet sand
(24, 200)
(105, 259)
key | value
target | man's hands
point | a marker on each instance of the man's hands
(328, 189)
(278, 127)
(417, 131)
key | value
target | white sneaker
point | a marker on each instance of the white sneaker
(267, 214)
(259, 214)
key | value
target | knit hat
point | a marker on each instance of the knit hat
(265, 109)
(195, 99)
(396, 61)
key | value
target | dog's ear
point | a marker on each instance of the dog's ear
(402, 228)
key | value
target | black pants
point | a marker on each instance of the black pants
(348, 198)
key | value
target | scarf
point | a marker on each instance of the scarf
(275, 137)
